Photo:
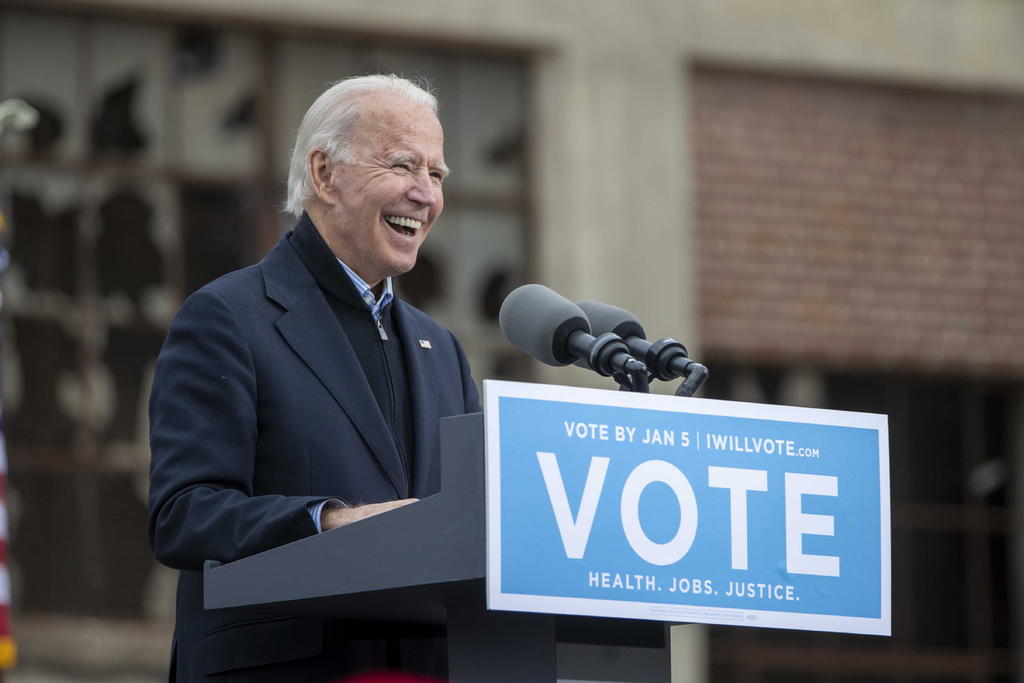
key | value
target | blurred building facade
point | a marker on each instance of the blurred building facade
(824, 200)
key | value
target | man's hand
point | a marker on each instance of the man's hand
(332, 518)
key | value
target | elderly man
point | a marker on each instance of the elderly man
(298, 395)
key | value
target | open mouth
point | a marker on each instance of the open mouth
(403, 224)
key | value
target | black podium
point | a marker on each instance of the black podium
(422, 564)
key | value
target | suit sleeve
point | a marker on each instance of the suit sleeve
(203, 437)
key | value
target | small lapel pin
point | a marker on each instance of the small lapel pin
(425, 344)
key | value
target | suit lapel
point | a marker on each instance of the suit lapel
(311, 329)
(419, 363)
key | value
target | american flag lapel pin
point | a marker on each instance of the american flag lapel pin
(425, 344)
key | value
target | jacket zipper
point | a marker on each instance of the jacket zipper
(398, 438)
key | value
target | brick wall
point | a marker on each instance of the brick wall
(853, 225)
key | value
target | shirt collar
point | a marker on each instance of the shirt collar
(376, 306)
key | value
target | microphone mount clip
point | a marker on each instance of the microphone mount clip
(608, 355)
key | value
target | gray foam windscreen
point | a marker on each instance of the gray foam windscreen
(607, 318)
(539, 321)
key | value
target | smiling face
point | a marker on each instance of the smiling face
(376, 211)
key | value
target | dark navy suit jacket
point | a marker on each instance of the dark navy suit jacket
(259, 407)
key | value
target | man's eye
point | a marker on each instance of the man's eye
(404, 165)
(437, 175)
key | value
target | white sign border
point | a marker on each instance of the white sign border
(498, 600)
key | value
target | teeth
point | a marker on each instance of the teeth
(404, 222)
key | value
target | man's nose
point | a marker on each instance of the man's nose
(424, 190)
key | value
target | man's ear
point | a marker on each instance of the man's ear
(321, 173)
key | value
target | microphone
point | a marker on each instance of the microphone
(556, 331)
(666, 358)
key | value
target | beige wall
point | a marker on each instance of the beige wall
(972, 43)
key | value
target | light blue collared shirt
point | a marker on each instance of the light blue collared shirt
(376, 307)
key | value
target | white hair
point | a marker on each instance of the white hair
(329, 124)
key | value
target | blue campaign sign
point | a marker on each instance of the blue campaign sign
(613, 504)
